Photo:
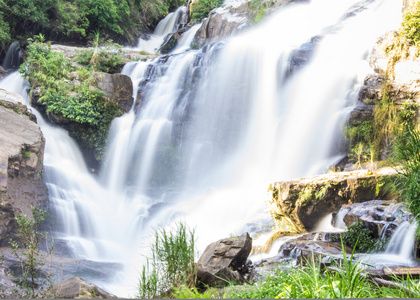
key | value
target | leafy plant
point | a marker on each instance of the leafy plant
(201, 9)
(105, 59)
(406, 154)
(359, 237)
(172, 263)
(29, 238)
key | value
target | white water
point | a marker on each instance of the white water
(186, 40)
(166, 26)
(249, 124)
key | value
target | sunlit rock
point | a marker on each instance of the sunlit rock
(21, 163)
(297, 205)
(224, 261)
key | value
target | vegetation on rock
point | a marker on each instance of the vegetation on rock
(201, 9)
(54, 78)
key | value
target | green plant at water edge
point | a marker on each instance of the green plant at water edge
(192, 293)
(406, 153)
(171, 265)
(201, 9)
(258, 9)
(27, 252)
(361, 238)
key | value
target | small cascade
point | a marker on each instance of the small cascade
(326, 225)
(13, 57)
(339, 219)
(170, 24)
(186, 40)
(403, 240)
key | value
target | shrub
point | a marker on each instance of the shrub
(202, 9)
(77, 101)
(30, 237)
(406, 153)
(172, 263)
(105, 59)
(359, 237)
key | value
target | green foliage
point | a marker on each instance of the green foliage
(201, 9)
(259, 9)
(76, 101)
(406, 153)
(370, 138)
(172, 263)
(105, 59)
(410, 26)
(359, 237)
(192, 293)
(29, 238)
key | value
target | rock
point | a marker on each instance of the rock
(117, 87)
(223, 22)
(21, 156)
(75, 287)
(223, 261)
(381, 217)
(297, 204)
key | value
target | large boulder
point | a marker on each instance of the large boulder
(223, 261)
(297, 205)
(21, 156)
(75, 287)
(117, 87)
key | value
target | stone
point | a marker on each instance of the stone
(117, 87)
(21, 163)
(381, 217)
(76, 287)
(296, 205)
(223, 261)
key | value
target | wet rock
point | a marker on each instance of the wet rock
(297, 204)
(224, 261)
(381, 217)
(21, 156)
(76, 287)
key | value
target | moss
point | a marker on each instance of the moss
(305, 195)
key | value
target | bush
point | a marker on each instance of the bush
(202, 9)
(30, 237)
(172, 264)
(359, 237)
(105, 59)
(406, 153)
(77, 101)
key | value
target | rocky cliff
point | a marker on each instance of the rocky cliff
(21, 163)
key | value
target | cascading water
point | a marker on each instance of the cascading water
(13, 57)
(212, 129)
(169, 24)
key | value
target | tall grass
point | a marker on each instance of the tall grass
(171, 265)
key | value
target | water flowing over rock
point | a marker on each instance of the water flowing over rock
(21, 157)
(381, 217)
(296, 204)
(224, 261)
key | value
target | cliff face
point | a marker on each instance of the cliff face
(21, 163)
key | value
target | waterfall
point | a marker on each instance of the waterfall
(403, 240)
(186, 40)
(212, 128)
(13, 57)
(167, 25)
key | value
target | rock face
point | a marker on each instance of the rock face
(297, 204)
(381, 217)
(224, 261)
(21, 156)
(75, 287)
(117, 87)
